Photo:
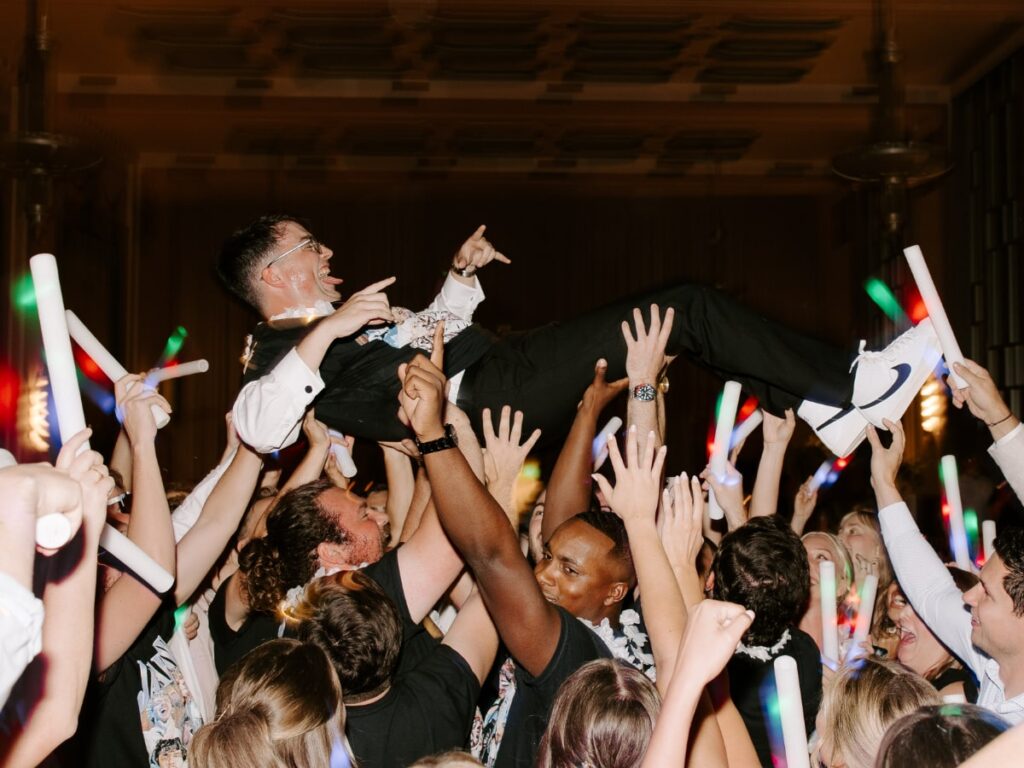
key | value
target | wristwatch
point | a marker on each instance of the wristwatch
(467, 271)
(441, 444)
(643, 392)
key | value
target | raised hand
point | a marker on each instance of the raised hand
(981, 395)
(728, 494)
(477, 252)
(136, 405)
(370, 306)
(682, 520)
(713, 630)
(422, 396)
(504, 454)
(803, 505)
(778, 431)
(885, 462)
(601, 392)
(637, 481)
(645, 354)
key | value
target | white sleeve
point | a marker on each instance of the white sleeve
(1008, 452)
(268, 412)
(458, 298)
(21, 632)
(186, 513)
(928, 584)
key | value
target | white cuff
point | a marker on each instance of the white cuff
(458, 298)
(292, 371)
(1008, 436)
(21, 631)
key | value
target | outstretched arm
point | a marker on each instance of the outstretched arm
(635, 499)
(568, 490)
(478, 528)
(645, 359)
(984, 401)
(764, 499)
(126, 608)
(712, 633)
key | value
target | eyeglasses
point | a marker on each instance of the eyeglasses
(315, 245)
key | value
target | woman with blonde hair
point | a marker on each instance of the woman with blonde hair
(603, 715)
(859, 705)
(824, 547)
(280, 706)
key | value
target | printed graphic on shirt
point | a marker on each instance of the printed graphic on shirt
(169, 714)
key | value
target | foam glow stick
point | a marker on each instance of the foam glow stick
(746, 428)
(723, 431)
(865, 612)
(112, 369)
(68, 402)
(988, 538)
(829, 626)
(176, 371)
(820, 476)
(957, 530)
(599, 448)
(937, 313)
(53, 531)
(342, 455)
(7, 459)
(791, 710)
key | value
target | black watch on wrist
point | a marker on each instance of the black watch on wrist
(441, 444)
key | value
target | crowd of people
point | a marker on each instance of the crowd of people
(425, 618)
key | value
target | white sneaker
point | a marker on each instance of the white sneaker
(840, 429)
(887, 381)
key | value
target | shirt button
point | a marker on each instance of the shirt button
(308, 389)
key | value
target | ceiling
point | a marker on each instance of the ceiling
(568, 89)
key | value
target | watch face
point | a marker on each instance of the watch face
(645, 392)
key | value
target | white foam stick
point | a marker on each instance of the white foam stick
(145, 567)
(68, 401)
(112, 369)
(829, 624)
(957, 530)
(746, 428)
(791, 712)
(865, 612)
(723, 431)
(937, 313)
(988, 538)
(342, 455)
(599, 448)
(59, 361)
(7, 459)
(820, 476)
(177, 371)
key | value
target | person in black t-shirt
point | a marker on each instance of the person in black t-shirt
(393, 718)
(585, 570)
(763, 566)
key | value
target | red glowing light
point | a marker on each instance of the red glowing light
(841, 463)
(88, 366)
(10, 384)
(918, 311)
(748, 407)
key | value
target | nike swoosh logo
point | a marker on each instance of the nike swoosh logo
(849, 409)
(903, 371)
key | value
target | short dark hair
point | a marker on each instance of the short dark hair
(357, 625)
(244, 251)
(287, 556)
(611, 526)
(169, 745)
(763, 567)
(1010, 548)
(939, 736)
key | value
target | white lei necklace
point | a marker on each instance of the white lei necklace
(763, 652)
(630, 646)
